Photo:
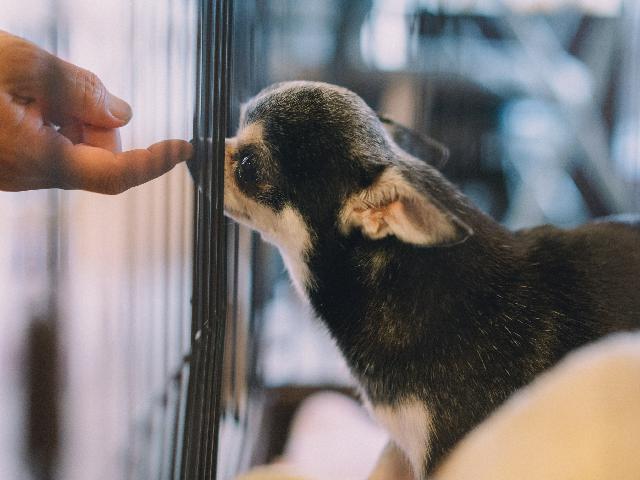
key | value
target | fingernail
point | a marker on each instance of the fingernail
(182, 151)
(193, 165)
(189, 151)
(119, 108)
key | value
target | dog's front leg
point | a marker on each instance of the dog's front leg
(392, 465)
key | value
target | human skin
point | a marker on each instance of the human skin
(59, 128)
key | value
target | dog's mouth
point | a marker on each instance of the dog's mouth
(233, 213)
(238, 214)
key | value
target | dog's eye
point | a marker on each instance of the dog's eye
(247, 173)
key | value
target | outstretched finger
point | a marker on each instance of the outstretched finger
(98, 170)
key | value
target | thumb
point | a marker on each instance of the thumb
(73, 93)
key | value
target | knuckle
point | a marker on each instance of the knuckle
(92, 92)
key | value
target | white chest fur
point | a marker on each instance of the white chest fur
(288, 231)
(409, 425)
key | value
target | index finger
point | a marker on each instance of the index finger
(98, 170)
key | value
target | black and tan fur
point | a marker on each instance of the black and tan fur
(439, 311)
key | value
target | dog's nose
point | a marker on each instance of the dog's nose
(229, 148)
(194, 164)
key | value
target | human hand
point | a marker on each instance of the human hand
(58, 128)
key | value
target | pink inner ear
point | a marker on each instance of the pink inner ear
(419, 215)
(417, 221)
(394, 207)
(373, 219)
(399, 218)
(380, 221)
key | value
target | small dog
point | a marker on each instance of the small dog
(439, 311)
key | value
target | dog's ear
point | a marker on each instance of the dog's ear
(420, 146)
(393, 207)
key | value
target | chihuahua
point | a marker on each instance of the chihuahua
(439, 311)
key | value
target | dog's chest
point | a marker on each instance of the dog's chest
(408, 423)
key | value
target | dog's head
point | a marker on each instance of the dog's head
(312, 160)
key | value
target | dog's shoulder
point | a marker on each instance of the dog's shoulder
(626, 222)
(606, 251)
(590, 272)
(618, 232)
(614, 231)
(537, 233)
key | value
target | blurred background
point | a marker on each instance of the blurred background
(537, 100)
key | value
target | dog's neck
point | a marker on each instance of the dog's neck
(385, 302)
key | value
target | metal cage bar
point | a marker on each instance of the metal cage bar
(200, 448)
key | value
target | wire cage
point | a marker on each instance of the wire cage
(146, 336)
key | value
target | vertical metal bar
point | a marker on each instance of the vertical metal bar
(190, 441)
(223, 47)
(190, 435)
(235, 390)
(211, 237)
(201, 392)
(216, 243)
(209, 284)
